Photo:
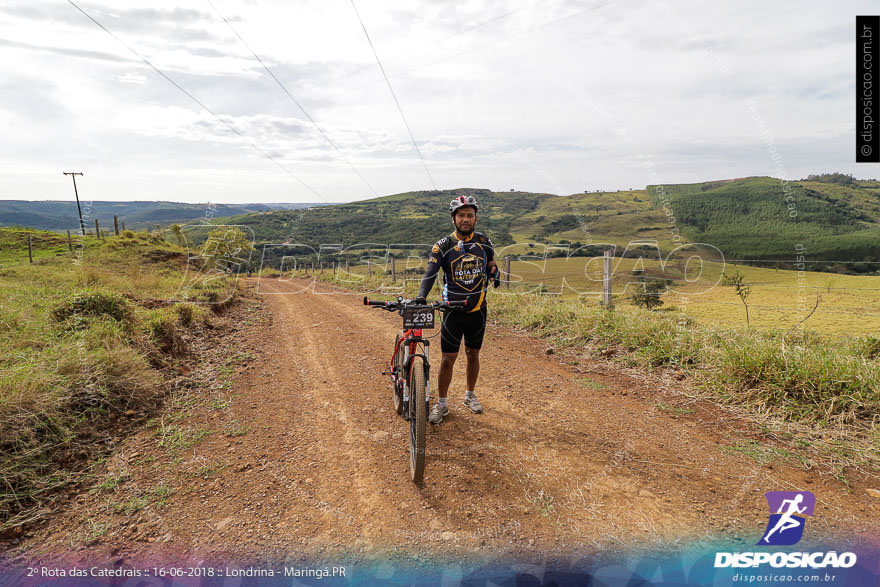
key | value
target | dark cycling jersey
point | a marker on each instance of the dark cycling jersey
(465, 263)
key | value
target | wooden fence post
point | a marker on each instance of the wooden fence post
(69, 243)
(30, 254)
(123, 225)
(97, 230)
(116, 225)
(393, 272)
(506, 272)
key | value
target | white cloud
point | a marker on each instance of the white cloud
(550, 95)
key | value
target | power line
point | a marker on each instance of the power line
(229, 125)
(420, 47)
(291, 96)
(393, 95)
(446, 38)
(478, 47)
(484, 23)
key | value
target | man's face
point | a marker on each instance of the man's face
(465, 220)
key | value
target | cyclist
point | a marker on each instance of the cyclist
(468, 261)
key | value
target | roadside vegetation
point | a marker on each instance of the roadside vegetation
(822, 390)
(86, 337)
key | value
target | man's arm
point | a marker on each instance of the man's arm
(491, 265)
(430, 274)
(490, 251)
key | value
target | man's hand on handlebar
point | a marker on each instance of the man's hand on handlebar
(418, 300)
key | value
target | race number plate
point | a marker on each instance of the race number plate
(418, 318)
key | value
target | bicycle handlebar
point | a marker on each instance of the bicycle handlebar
(397, 305)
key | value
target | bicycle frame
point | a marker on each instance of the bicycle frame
(411, 338)
(402, 375)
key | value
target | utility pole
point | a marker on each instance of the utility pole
(73, 175)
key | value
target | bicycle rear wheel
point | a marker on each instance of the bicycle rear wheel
(418, 419)
(397, 369)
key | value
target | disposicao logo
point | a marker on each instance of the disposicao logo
(787, 511)
(786, 527)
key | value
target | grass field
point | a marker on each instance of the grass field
(780, 299)
(848, 304)
(13, 244)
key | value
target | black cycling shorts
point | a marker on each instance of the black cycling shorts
(471, 325)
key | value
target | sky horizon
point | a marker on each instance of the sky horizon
(253, 101)
(82, 198)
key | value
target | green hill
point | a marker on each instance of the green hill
(412, 217)
(62, 215)
(747, 218)
(833, 216)
(598, 217)
(762, 218)
(508, 217)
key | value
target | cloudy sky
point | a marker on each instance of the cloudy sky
(556, 96)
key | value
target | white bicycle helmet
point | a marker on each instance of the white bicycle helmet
(463, 201)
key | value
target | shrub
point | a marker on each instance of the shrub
(867, 346)
(187, 313)
(93, 302)
(647, 295)
(161, 325)
(64, 396)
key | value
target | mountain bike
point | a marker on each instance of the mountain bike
(409, 370)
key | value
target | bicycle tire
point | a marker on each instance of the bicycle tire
(418, 422)
(397, 368)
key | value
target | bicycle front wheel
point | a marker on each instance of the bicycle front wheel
(418, 421)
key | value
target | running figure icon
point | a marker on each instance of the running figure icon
(787, 522)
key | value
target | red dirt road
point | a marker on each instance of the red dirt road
(307, 456)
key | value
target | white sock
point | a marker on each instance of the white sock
(442, 402)
(469, 394)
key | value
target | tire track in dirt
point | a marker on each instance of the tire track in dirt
(328, 387)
